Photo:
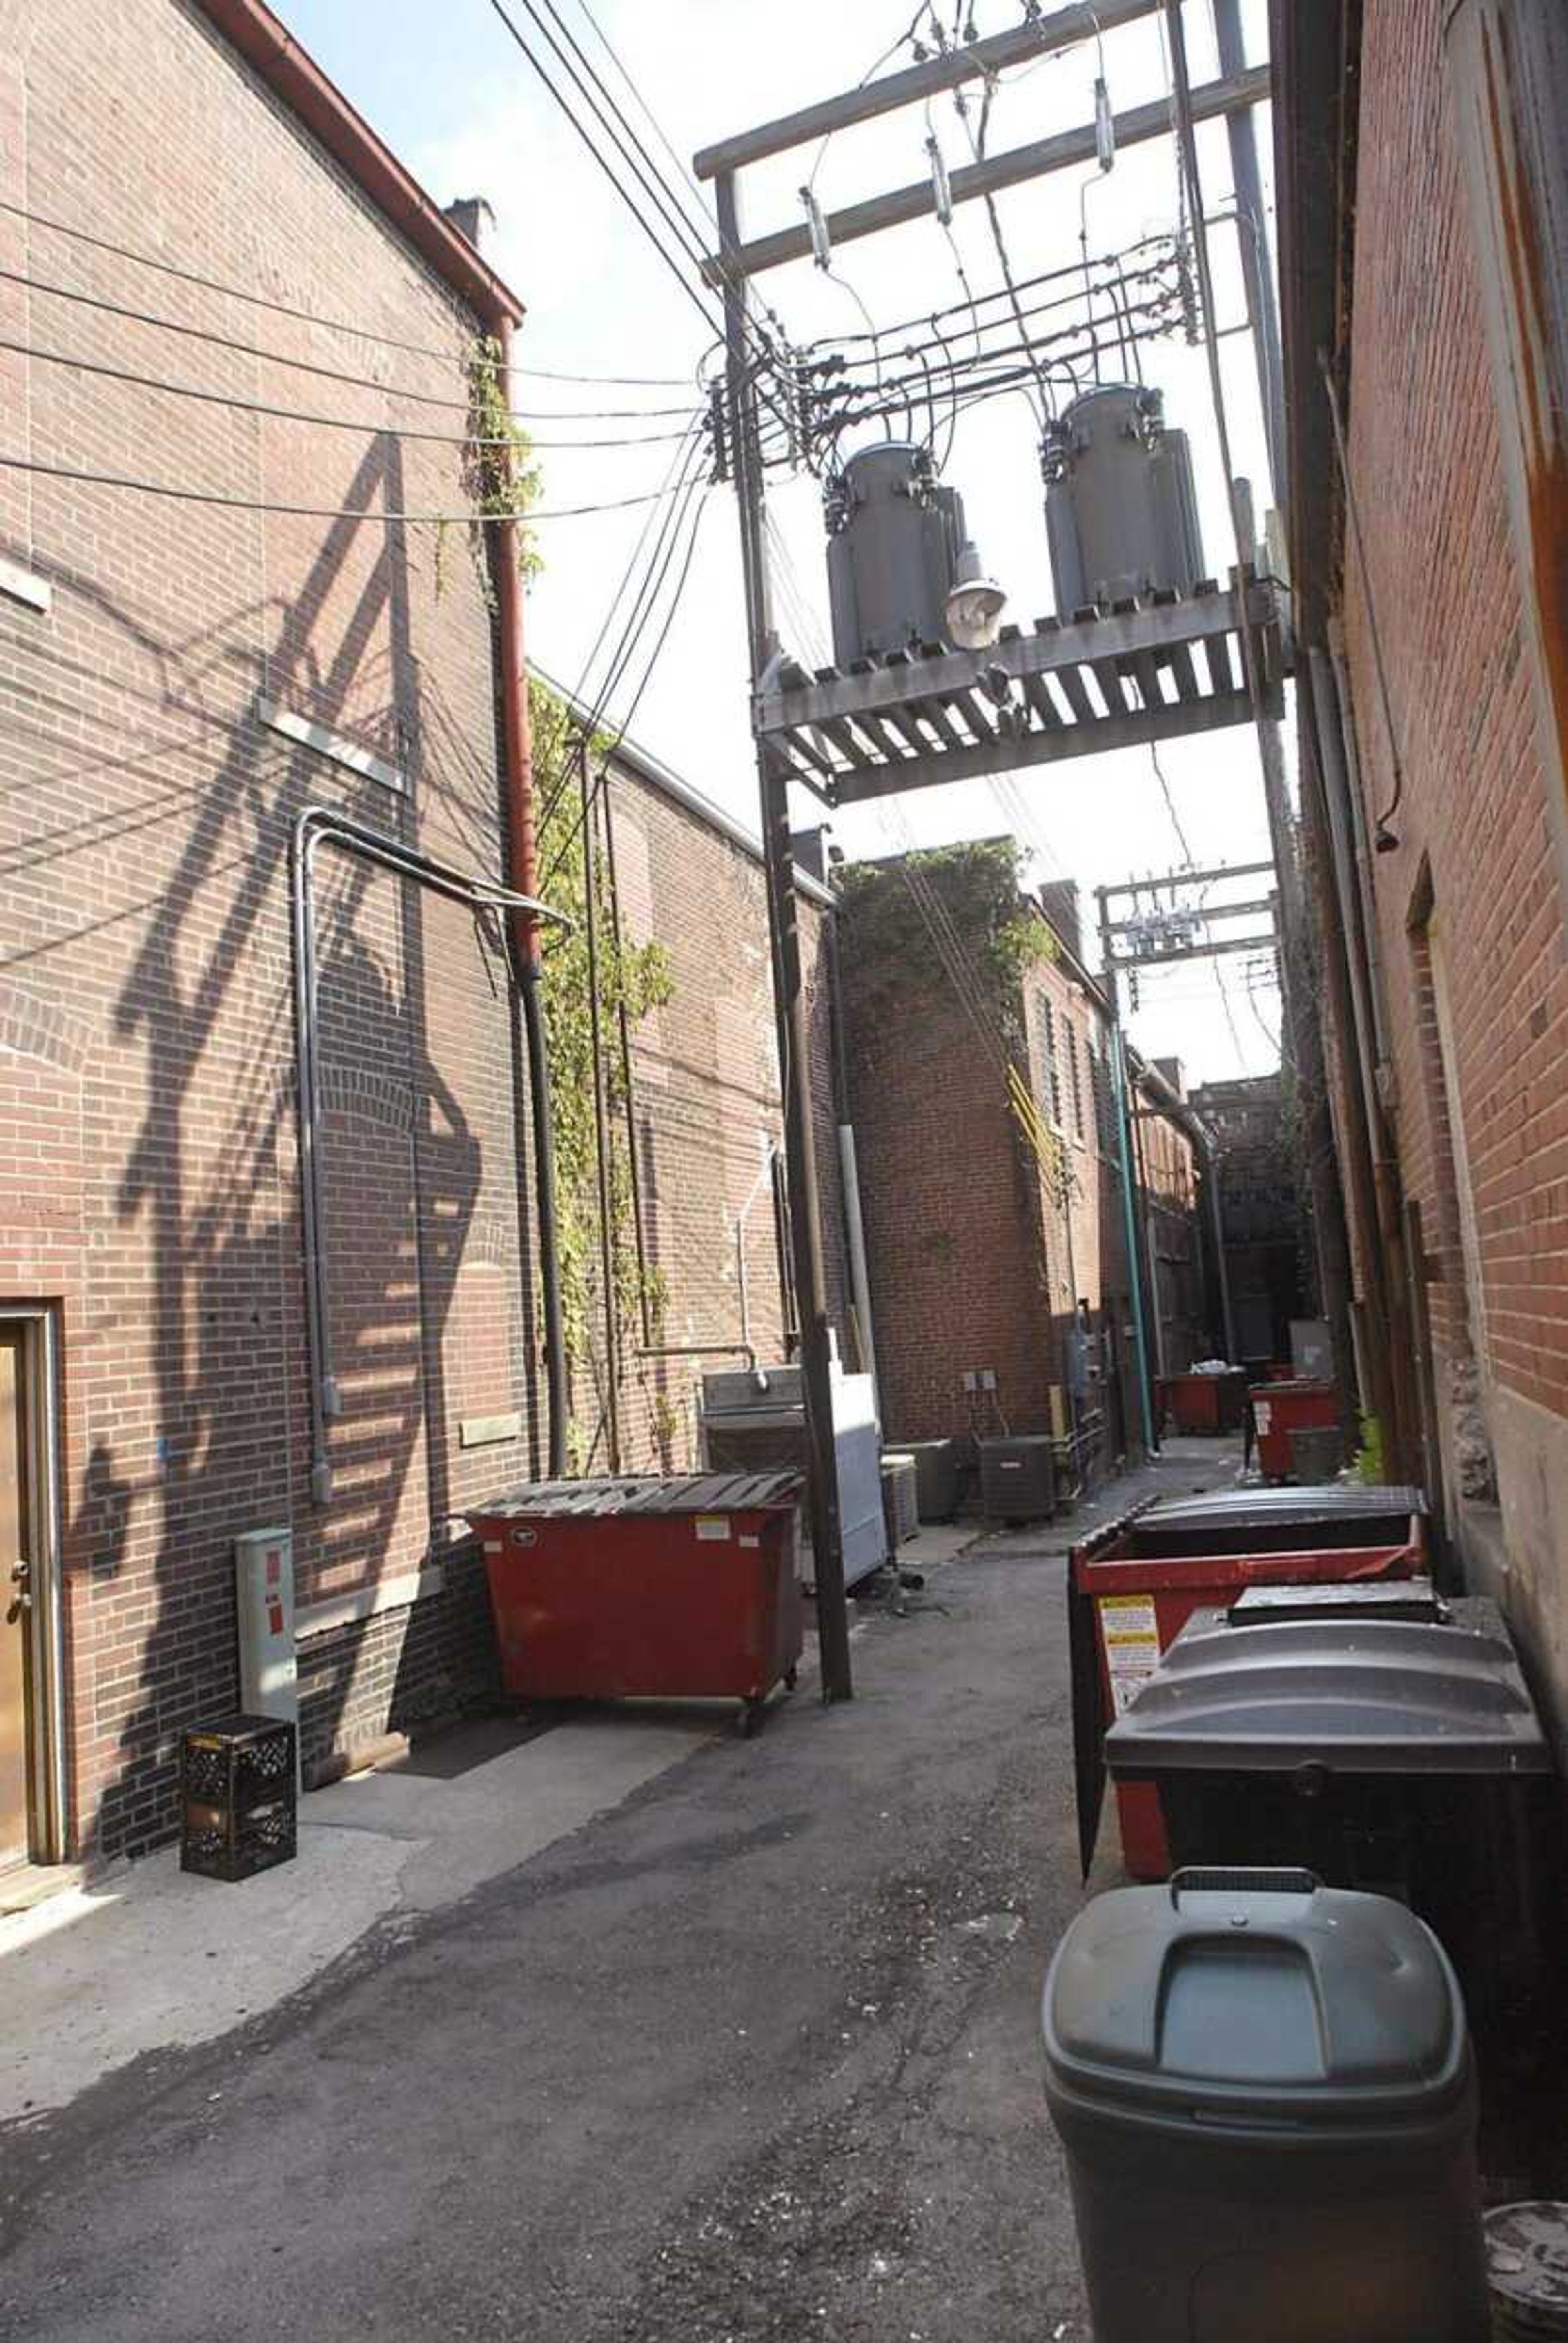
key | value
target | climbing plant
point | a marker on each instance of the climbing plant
(500, 479)
(636, 977)
(979, 888)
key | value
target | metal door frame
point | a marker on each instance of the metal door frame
(46, 1654)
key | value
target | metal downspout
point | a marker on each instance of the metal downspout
(522, 870)
(1130, 1231)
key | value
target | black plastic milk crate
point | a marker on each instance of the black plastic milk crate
(238, 1801)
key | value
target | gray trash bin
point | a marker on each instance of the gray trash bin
(1267, 2098)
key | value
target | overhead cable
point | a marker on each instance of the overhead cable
(314, 317)
(311, 365)
(324, 422)
(315, 512)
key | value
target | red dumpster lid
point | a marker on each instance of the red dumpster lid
(685, 1493)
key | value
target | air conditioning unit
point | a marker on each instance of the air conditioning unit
(1018, 1479)
(901, 1498)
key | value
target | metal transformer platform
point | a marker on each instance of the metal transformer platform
(1111, 678)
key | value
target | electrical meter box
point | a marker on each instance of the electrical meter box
(263, 1602)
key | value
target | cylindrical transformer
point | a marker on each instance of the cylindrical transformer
(1119, 510)
(893, 538)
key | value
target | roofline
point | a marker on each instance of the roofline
(669, 784)
(250, 28)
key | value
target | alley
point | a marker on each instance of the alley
(754, 2055)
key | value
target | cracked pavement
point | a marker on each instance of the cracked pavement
(755, 2054)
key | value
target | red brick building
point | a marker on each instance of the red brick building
(178, 681)
(996, 1248)
(1423, 194)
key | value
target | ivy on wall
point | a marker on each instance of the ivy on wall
(638, 978)
(979, 887)
(500, 478)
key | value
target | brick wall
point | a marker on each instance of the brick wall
(980, 1250)
(148, 1142)
(1473, 874)
(706, 1105)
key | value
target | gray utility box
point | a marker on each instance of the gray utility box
(1018, 1479)
(1267, 2098)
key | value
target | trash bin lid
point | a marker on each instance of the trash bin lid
(1527, 2267)
(1254, 1993)
(1359, 1598)
(681, 1493)
(1227, 1509)
(1361, 1696)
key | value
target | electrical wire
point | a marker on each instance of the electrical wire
(870, 74)
(299, 415)
(644, 533)
(607, 756)
(687, 247)
(312, 366)
(314, 512)
(313, 317)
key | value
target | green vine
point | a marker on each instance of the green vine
(638, 978)
(500, 478)
(979, 886)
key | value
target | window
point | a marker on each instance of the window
(1070, 1039)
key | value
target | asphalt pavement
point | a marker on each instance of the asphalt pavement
(753, 2055)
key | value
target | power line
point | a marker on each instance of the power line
(700, 492)
(670, 482)
(315, 512)
(650, 178)
(325, 422)
(312, 316)
(312, 366)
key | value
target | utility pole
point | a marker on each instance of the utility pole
(908, 722)
(789, 994)
(1257, 264)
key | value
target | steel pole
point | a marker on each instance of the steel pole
(1257, 260)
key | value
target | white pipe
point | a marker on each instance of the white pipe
(859, 1281)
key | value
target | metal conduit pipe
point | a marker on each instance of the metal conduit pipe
(318, 825)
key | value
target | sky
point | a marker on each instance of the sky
(450, 92)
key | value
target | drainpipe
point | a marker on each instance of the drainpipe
(522, 871)
(1129, 1231)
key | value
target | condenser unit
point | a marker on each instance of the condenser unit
(1018, 1478)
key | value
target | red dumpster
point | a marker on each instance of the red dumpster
(1199, 1404)
(645, 1587)
(1133, 1587)
(1298, 1405)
